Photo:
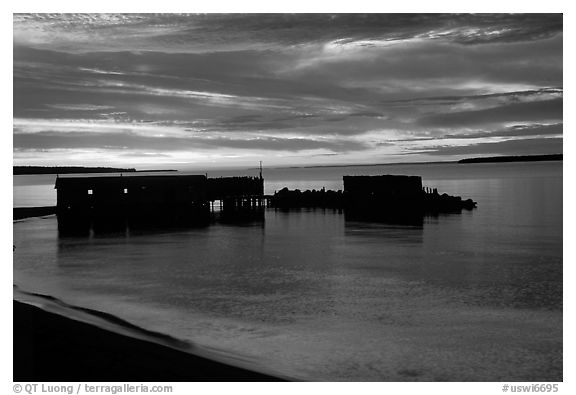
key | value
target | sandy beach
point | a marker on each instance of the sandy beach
(50, 347)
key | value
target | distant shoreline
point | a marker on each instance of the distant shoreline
(155, 171)
(25, 170)
(36, 170)
(356, 165)
(520, 158)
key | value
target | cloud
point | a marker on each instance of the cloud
(526, 95)
(534, 146)
(527, 130)
(130, 140)
(537, 111)
(197, 33)
(515, 131)
(140, 154)
(367, 85)
(428, 69)
(79, 107)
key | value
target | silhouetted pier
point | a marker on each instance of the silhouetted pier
(237, 196)
(113, 201)
(196, 199)
(156, 200)
(375, 197)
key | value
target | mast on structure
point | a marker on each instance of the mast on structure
(260, 169)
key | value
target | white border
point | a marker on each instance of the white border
(299, 6)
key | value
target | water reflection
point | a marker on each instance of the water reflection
(308, 249)
(90, 226)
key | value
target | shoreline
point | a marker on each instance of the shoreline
(28, 212)
(52, 347)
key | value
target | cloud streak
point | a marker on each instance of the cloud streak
(546, 110)
(130, 140)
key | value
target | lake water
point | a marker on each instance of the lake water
(475, 296)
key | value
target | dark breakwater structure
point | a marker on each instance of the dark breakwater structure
(376, 197)
(119, 201)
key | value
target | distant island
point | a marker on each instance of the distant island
(154, 171)
(27, 170)
(22, 170)
(522, 158)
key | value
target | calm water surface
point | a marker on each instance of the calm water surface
(476, 296)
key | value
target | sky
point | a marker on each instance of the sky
(230, 90)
